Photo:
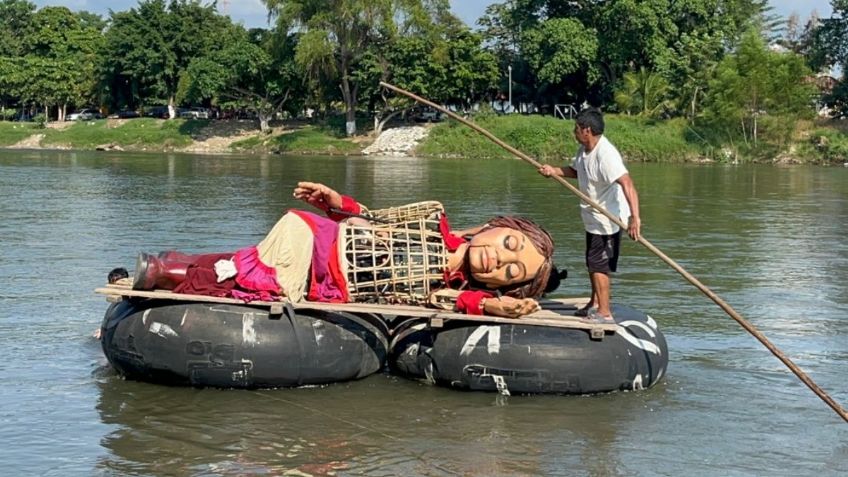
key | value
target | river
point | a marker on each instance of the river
(769, 240)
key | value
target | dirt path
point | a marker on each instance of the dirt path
(32, 142)
(218, 136)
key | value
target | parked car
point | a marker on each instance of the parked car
(125, 114)
(195, 113)
(429, 116)
(86, 114)
(157, 112)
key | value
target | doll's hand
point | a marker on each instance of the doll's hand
(510, 307)
(318, 195)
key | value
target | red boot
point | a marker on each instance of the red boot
(162, 272)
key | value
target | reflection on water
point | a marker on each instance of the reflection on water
(406, 428)
(770, 241)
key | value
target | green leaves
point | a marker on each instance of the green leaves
(153, 44)
(754, 82)
(644, 93)
(348, 42)
(561, 47)
(47, 57)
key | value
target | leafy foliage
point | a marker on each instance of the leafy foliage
(255, 71)
(644, 93)
(151, 46)
(755, 82)
(337, 35)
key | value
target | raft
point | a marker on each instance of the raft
(522, 359)
(177, 339)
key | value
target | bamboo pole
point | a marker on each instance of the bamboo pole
(689, 277)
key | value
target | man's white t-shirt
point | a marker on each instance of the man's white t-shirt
(597, 173)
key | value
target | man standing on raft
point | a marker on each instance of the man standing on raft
(601, 175)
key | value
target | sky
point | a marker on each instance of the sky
(253, 14)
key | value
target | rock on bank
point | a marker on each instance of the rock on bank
(397, 141)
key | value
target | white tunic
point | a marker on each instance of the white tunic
(597, 173)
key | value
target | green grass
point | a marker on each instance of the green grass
(11, 133)
(542, 137)
(550, 140)
(827, 145)
(641, 139)
(309, 140)
(142, 133)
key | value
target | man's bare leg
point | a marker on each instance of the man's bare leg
(593, 300)
(601, 293)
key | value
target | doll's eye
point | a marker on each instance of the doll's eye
(512, 271)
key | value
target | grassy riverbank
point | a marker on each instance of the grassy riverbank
(550, 140)
(202, 136)
(542, 137)
(674, 140)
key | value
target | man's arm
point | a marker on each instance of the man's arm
(566, 171)
(634, 227)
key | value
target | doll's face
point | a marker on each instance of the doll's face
(501, 256)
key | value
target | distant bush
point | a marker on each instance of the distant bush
(40, 120)
(830, 145)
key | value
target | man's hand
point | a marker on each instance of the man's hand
(318, 195)
(548, 170)
(634, 228)
(509, 307)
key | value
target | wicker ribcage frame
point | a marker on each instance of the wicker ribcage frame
(402, 261)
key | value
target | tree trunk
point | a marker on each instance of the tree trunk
(350, 106)
(172, 107)
(379, 125)
(755, 130)
(694, 99)
(62, 112)
(263, 121)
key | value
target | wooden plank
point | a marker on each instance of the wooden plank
(555, 313)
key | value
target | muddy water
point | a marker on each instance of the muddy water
(771, 241)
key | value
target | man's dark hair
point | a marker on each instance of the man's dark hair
(591, 118)
(117, 274)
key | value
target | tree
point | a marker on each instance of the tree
(755, 83)
(153, 44)
(830, 49)
(678, 40)
(562, 48)
(255, 70)
(336, 35)
(61, 52)
(643, 92)
(15, 16)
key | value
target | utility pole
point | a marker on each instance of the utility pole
(509, 68)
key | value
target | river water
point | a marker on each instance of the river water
(769, 240)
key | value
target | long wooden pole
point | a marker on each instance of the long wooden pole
(689, 277)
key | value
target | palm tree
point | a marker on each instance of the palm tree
(644, 93)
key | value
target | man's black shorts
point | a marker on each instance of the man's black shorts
(602, 252)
